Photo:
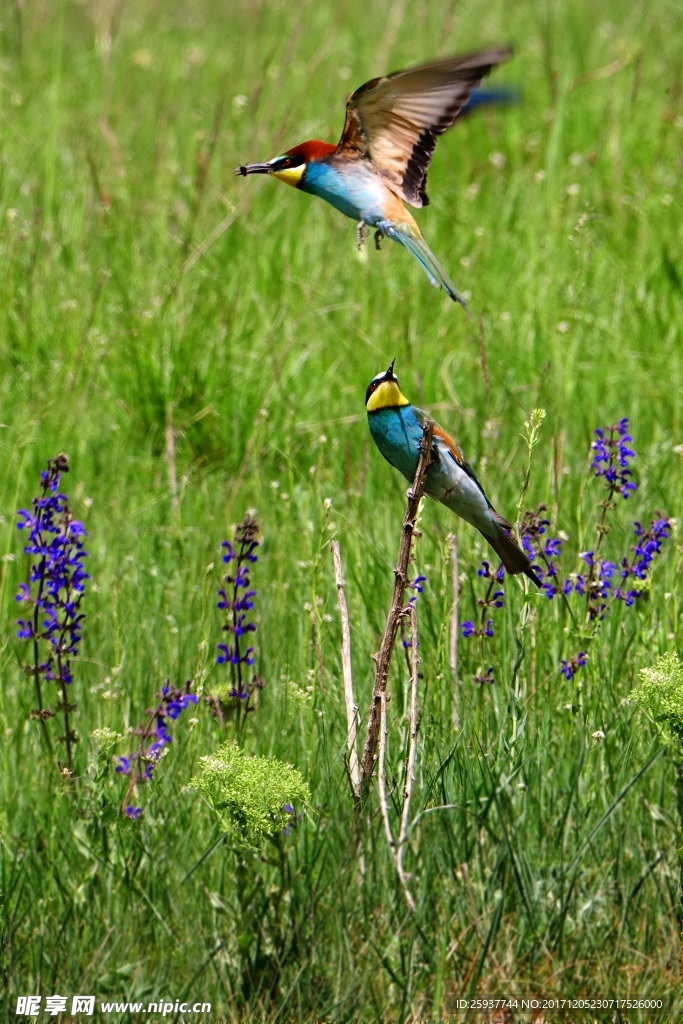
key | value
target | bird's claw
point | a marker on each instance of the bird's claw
(379, 235)
(360, 234)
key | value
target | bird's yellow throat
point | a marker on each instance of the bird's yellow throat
(291, 175)
(386, 396)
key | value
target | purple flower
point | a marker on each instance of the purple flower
(541, 552)
(56, 541)
(288, 809)
(611, 454)
(139, 766)
(55, 589)
(174, 708)
(485, 571)
(236, 599)
(571, 667)
(418, 586)
(467, 628)
(242, 626)
(648, 546)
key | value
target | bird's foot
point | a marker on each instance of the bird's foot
(379, 235)
(361, 231)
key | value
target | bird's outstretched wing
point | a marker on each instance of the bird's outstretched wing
(395, 121)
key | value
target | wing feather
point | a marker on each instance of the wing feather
(453, 450)
(395, 121)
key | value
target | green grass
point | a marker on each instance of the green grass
(143, 285)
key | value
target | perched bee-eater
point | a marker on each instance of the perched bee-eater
(396, 427)
(381, 161)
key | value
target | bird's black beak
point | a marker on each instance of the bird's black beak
(390, 372)
(245, 169)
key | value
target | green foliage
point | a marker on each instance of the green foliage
(660, 693)
(250, 794)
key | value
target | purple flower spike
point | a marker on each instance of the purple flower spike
(139, 766)
(612, 452)
(54, 542)
(236, 600)
(648, 546)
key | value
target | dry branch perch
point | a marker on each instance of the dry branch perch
(352, 719)
(397, 847)
(410, 760)
(396, 609)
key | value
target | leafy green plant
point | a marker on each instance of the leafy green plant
(255, 798)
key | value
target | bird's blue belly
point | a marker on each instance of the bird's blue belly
(355, 193)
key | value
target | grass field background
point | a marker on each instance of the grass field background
(146, 290)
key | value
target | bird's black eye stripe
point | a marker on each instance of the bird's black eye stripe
(372, 386)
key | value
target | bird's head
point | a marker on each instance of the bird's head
(291, 166)
(383, 391)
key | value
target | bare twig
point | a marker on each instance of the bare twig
(381, 777)
(396, 609)
(170, 436)
(597, 74)
(398, 847)
(352, 719)
(410, 760)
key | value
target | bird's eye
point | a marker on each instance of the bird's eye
(372, 386)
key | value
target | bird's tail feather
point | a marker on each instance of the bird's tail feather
(502, 96)
(415, 244)
(509, 552)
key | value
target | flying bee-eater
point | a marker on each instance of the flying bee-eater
(397, 426)
(381, 160)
